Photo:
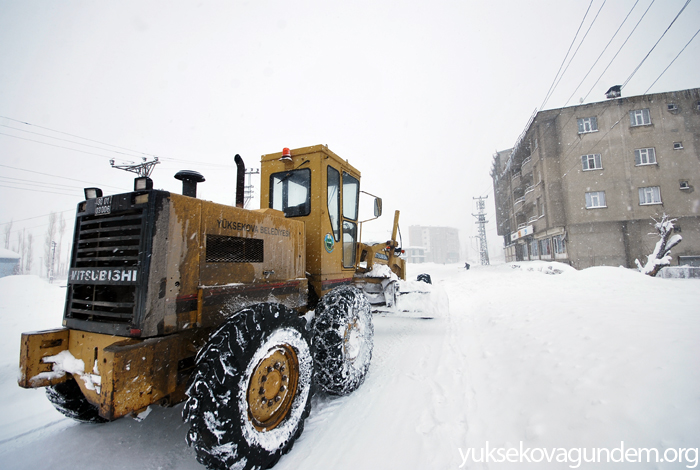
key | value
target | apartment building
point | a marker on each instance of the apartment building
(583, 183)
(440, 244)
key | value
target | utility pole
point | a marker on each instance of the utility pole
(249, 188)
(481, 222)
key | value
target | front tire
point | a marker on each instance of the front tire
(251, 389)
(69, 400)
(344, 339)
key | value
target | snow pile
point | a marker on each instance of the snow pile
(581, 359)
(64, 362)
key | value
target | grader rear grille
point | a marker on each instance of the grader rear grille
(223, 249)
(104, 267)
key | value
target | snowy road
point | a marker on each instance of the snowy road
(578, 359)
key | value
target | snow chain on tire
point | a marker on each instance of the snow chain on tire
(69, 400)
(251, 389)
(343, 338)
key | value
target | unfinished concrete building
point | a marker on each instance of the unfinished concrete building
(583, 183)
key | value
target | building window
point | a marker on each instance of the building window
(677, 145)
(640, 117)
(558, 244)
(650, 195)
(591, 162)
(684, 184)
(534, 252)
(672, 107)
(645, 156)
(589, 124)
(545, 247)
(595, 199)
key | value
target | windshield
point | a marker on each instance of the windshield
(290, 192)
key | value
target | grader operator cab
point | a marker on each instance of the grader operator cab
(172, 298)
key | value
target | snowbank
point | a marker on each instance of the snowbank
(525, 356)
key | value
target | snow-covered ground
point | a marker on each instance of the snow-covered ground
(599, 358)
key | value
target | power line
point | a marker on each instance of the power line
(220, 165)
(580, 44)
(76, 136)
(552, 86)
(35, 217)
(657, 42)
(69, 141)
(23, 181)
(620, 49)
(58, 176)
(36, 190)
(674, 59)
(603, 52)
(54, 145)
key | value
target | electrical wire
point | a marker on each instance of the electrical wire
(669, 65)
(36, 217)
(199, 163)
(620, 49)
(37, 190)
(42, 183)
(603, 52)
(92, 183)
(580, 44)
(657, 42)
(552, 86)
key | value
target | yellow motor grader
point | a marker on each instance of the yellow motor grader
(171, 298)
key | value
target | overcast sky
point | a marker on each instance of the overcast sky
(417, 95)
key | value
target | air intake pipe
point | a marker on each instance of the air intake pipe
(240, 181)
(189, 180)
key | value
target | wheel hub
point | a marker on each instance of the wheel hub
(272, 387)
(351, 341)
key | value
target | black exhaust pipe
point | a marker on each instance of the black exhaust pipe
(240, 181)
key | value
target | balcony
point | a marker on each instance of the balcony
(520, 200)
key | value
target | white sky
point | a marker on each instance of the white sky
(417, 95)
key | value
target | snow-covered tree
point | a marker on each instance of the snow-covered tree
(661, 256)
(48, 245)
(8, 230)
(61, 231)
(29, 256)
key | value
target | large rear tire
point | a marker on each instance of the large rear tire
(251, 389)
(69, 400)
(344, 339)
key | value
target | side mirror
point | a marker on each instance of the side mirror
(377, 206)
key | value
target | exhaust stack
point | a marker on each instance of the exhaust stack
(240, 181)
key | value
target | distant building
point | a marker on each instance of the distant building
(9, 262)
(441, 244)
(415, 254)
(582, 183)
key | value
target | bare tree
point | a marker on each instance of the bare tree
(661, 256)
(61, 231)
(8, 230)
(23, 252)
(18, 250)
(30, 256)
(50, 237)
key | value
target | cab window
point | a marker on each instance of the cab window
(333, 197)
(290, 192)
(351, 194)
